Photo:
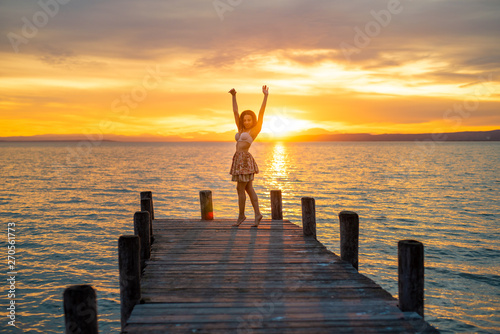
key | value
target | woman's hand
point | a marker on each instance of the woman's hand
(232, 92)
(265, 90)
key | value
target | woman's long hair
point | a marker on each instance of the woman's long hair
(241, 127)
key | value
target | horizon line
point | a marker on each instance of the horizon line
(491, 135)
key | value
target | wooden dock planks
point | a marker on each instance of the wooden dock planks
(209, 277)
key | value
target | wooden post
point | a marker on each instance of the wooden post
(349, 237)
(149, 194)
(411, 276)
(142, 229)
(80, 309)
(207, 208)
(276, 205)
(309, 216)
(130, 274)
(147, 205)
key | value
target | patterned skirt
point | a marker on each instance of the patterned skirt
(243, 167)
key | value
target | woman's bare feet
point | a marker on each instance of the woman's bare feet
(258, 218)
(240, 220)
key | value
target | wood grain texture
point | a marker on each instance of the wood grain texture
(209, 277)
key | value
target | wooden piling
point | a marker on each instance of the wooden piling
(276, 205)
(80, 309)
(349, 237)
(147, 205)
(149, 194)
(308, 216)
(142, 229)
(411, 276)
(130, 274)
(207, 208)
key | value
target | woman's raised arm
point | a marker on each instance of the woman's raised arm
(260, 120)
(235, 108)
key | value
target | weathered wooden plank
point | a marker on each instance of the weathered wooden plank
(229, 295)
(302, 327)
(201, 225)
(236, 269)
(254, 323)
(159, 295)
(202, 315)
(252, 275)
(199, 317)
(275, 303)
(340, 284)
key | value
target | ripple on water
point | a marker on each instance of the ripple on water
(69, 224)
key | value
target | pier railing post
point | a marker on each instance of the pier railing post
(207, 208)
(308, 216)
(130, 274)
(149, 194)
(147, 205)
(349, 237)
(276, 205)
(142, 229)
(411, 276)
(80, 309)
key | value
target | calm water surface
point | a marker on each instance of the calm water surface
(71, 201)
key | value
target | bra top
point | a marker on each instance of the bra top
(243, 136)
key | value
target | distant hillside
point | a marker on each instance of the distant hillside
(313, 135)
(453, 136)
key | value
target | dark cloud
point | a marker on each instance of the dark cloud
(460, 36)
(149, 29)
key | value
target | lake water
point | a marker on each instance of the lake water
(71, 201)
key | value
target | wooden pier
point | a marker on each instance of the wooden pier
(205, 276)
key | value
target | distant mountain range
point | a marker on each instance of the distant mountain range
(452, 136)
(312, 135)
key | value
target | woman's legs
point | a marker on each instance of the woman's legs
(240, 188)
(255, 202)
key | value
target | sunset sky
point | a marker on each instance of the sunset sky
(162, 69)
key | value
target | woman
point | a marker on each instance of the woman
(244, 166)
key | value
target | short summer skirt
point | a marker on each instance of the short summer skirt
(244, 167)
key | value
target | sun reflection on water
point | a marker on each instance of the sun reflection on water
(279, 160)
(277, 163)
